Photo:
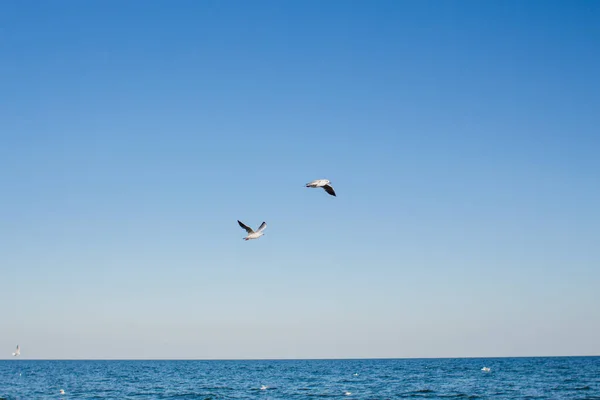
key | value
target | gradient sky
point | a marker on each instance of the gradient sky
(462, 138)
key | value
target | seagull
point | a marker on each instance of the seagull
(62, 391)
(322, 183)
(264, 387)
(17, 352)
(251, 233)
(486, 369)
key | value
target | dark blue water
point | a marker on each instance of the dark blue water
(510, 378)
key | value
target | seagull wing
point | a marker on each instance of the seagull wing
(262, 227)
(329, 190)
(247, 228)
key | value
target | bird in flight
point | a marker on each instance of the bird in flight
(17, 352)
(251, 233)
(322, 183)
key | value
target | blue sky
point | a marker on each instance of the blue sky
(462, 139)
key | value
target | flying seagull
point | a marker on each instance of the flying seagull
(17, 352)
(251, 233)
(322, 183)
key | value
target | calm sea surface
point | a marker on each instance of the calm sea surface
(509, 378)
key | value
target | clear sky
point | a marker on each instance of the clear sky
(462, 138)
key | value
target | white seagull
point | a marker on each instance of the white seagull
(322, 183)
(17, 352)
(251, 233)
(486, 369)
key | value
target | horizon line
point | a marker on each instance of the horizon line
(291, 359)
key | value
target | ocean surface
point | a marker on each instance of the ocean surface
(509, 378)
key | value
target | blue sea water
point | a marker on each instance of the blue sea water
(509, 378)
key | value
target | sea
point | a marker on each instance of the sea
(508, 378)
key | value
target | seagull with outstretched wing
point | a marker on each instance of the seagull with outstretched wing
(322, 183)
(251, 233)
